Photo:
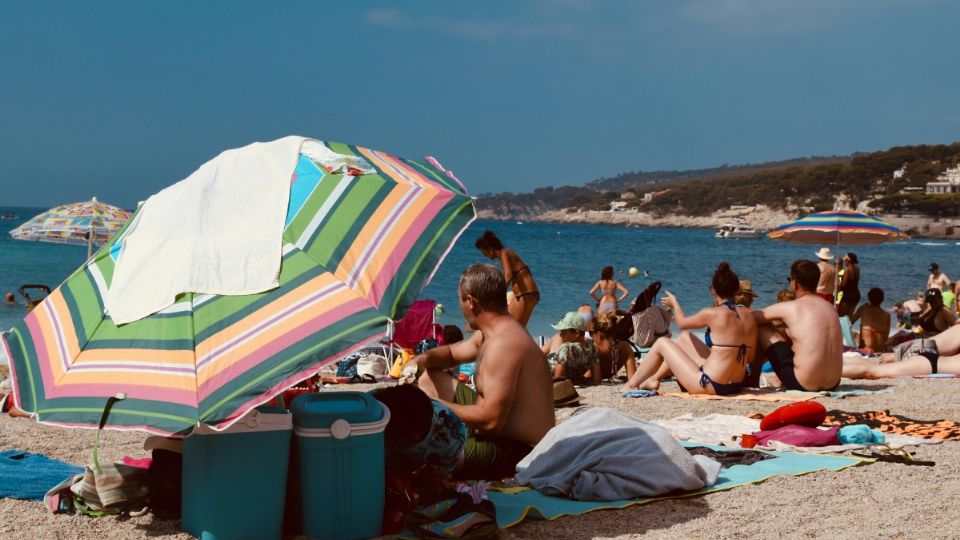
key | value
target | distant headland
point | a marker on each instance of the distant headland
(916, 188)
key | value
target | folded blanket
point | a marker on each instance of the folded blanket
(605, 455)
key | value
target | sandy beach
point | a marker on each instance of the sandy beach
(880, 500)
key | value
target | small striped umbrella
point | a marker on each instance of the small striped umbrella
(357, 251)
(84, 223)
(838, 227)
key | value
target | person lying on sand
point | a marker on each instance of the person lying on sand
(939, 354)
(808, 355)
(715, 367)
(512, 407)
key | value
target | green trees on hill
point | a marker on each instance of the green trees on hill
(815, 184)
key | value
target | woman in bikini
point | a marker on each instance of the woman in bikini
(716, 366)
(608, 287)
(518, 276)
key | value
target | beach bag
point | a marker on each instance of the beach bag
(109, 488)
(347, 367)
(649, 325)
(373, 365)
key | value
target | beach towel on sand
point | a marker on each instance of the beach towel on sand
(605, 455)
(514, 505)
(219, 231)
(938, 430)
(28, 476)
(721, 429)
(753, 395)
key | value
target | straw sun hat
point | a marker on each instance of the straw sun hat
(564, 394)
(746, 288)
(824, 254)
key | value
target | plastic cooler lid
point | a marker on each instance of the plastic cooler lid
(322, 409)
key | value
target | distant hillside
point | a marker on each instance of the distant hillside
(630, 180)
(814, 182)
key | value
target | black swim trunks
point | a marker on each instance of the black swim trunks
(485, 457)
(780, 356)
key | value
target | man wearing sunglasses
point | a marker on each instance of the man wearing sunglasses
(808, 355)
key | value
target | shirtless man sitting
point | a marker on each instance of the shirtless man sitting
(810, 355)
(512, 407)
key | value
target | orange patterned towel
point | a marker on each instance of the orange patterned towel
(941, 430)
(754, 395)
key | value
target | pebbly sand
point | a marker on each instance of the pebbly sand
(879, 500)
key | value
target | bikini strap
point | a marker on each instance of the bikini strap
(704, 378)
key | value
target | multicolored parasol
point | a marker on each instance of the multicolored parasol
(838, 227)
(357, 251)
(84, 223)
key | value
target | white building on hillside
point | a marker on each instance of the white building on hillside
(948, 182)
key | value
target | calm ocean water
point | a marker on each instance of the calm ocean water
(566, 261)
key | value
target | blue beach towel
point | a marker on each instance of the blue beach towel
(520, 503)
(29, 476)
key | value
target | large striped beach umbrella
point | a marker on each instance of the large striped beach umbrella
(357, 252)
(86, 223)
(837, 227)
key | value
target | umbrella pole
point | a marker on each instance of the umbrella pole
(89, 242)
(836, 272)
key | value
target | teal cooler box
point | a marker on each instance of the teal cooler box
(234, 481)
(339, 436)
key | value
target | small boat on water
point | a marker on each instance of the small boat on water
(738, 230)
(8, 216)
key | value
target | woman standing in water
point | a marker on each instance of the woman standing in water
(516, 272)
(608, 287)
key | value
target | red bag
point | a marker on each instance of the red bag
(803, 413)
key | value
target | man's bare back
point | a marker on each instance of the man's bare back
(828, 276)
(815, 337)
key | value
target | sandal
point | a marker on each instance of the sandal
(463, 519)
(891, 455)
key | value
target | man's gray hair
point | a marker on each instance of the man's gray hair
(485, 283)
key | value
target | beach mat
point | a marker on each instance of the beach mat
(515, 505)
(894, 424)
(29, 476)
(754, 395)
(721, 429)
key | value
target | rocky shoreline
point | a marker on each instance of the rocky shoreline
(760, 217)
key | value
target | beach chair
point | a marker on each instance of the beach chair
(847, 328)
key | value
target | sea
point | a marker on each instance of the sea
(566, 260)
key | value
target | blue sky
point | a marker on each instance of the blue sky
(121, 99)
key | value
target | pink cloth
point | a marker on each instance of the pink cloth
(799, 436)
(416, 325)
(140, 463)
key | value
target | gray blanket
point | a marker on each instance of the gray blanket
(604, 455)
